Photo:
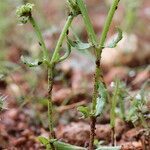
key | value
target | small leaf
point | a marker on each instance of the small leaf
(78, 44)
(66, 55)
(84, 110)
(113, 43)
(99, 106)
(101, 100)
(29, 62)
(64, 146)
(43, 140)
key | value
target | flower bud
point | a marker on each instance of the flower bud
(24, 12)
(73, 7)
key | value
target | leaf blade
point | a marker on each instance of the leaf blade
(29, 62)
(101, 100)
(113, 43)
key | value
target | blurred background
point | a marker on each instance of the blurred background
(26, 88)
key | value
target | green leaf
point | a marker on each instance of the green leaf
(99, 106)
(113, 43)
(101, 100)
(109, 148)
(43, 140)
(78, 44)
(29, 62)
(66, 55)
(84, 110)
(64, 146)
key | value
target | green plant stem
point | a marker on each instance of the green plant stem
(50, 104)
(112, 112)
(40, 38)
(61, 38)
(89, 27)
(98, 72)
(107, 24)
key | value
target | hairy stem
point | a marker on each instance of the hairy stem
(98, 72)
(98, 77)
(92, 132)
(40, 38)
(61, 38)
(50, 104)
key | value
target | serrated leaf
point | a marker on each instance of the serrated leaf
(113, 43)
(78, 44)
(64, 146)
(84, 110)
(101, 100)
(29, 62)
(109, 148)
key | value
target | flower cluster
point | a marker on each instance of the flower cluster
(73, 7)
(24, 12)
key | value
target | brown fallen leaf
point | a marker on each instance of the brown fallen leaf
(62, 94)
(141, 78)
(19, 141)
(131, 135)
(131, 145)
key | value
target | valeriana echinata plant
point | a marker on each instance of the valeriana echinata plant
(100, 94)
